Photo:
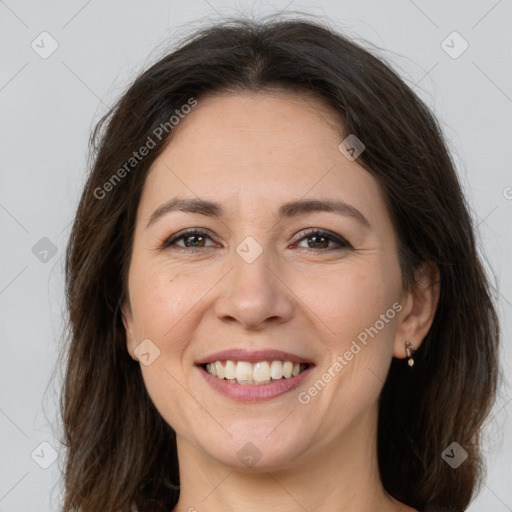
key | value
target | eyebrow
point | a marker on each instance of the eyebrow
(287, 210)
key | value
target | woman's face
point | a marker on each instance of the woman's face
(264, 280)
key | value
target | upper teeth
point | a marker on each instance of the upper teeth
(262, 372)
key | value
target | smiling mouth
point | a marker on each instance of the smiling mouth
(259, 373)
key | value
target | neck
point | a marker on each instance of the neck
(341, 475)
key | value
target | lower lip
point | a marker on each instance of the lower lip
(254, 392)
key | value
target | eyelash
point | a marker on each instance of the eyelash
(343, 244)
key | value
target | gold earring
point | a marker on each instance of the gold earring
(409, 350)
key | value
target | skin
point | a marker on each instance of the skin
(252, 152)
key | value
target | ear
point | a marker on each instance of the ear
(127, 315)
(419, 308)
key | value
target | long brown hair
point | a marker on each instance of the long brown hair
(120, 449)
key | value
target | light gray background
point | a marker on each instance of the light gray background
(48, 107)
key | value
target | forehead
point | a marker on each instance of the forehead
(259, 148)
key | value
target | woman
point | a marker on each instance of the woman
(275, 299)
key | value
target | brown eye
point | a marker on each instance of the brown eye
(191, 240)
(194, 240)
(320, 239)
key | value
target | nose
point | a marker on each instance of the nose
(253, 295)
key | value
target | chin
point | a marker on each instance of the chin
(256, 450)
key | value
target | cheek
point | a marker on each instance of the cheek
(346, 309)
(353, 311)
(171, 396)
(350, 300)
(166, 302)
(164, 299)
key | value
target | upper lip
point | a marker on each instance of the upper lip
(252, 356)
